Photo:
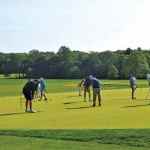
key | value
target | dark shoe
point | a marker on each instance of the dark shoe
(26, 110)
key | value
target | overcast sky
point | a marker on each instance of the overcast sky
(79, 24)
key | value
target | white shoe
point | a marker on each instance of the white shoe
(32, 111)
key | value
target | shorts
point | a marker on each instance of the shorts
(87, 89)
(96, 91)
(133, 87)
(41, 89)
(28, 96)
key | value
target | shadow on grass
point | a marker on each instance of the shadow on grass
(134, 106)
(16, 113)
(73, 102)
(13, 113)
(80, 107)
(72, 96)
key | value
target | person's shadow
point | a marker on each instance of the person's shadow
(16, 113)
(13, 113)
(79, 107)
(134, 106)
(72, 102)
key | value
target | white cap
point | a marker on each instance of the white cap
(90, 76)
(41, 79)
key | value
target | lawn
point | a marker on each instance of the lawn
(11, 143)
(75, 139)
(66, 110)
(13, 87)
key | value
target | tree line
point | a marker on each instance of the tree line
(67, 63)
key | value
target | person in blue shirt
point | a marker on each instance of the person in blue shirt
(133, 85)
(96, 90)
(148, 79)
(42, 88)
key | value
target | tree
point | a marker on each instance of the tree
(136, 64)
(112, 72)
(63, 50)
(75, 72)
(75, 64)
(128, 51)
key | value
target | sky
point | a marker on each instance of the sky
(85, 25)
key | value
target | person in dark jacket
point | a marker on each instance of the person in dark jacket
(86, 86)
(36, 90)
(28, 91)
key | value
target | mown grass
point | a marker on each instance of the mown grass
(13, 143)
(76, 139)
(13, 87)
(66, 122)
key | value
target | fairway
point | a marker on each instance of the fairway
(116, 121)
(66, 110)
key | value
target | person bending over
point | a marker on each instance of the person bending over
(28, 91)
(96, 90)
(86, 86)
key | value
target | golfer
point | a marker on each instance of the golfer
(133, 85)
(148, 79)
(36, 90)
(96, 90)
(42, 88)
(86, 86)
(80, 86)
(28, 91)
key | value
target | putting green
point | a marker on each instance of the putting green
(68, 111)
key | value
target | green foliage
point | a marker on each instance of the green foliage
(112, 72)
(75, 64)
